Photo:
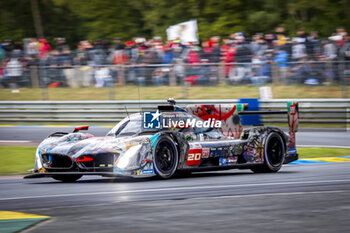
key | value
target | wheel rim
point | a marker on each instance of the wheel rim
(275, 151)
(165, 157)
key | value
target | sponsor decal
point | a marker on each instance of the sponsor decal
(144, 172)
(191, 123)
(292, 109)
(195, 146)
(205, 153)
(214, 152)
(194, 157)
(232, 159)
(158, 120)
(292, 151)
(223, 161)
(151, 120)
(118, 171)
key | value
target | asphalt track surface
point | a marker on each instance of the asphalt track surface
(305, 137)
(309, 198)
(299, 198)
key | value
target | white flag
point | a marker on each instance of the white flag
(186, 32)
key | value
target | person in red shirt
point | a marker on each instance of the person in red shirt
(44, 48)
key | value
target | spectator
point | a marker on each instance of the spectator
(7, 47)
(44, 48)
(345, 55)
(216, 49)
(279, 36)
(61, 45)
(118, 45)
(269, 38)
(345, 50)
(2, 54)
(168, 56)
(281, 58)
(312, 45)
(206, 50)
(301, 35)
(258, 46)
(13, 73)
(32, 48)
(243, 52)
(261, 73)
(301, 71)
(228, 51)
(298, 49)
(102, 77)
(329, 50)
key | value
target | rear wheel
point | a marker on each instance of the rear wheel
(274, 151)
(165, 157)
(67, 178)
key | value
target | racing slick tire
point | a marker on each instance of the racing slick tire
(274, 151)
(67, 178)
(166, 157)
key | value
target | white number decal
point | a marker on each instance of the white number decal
(196, 156)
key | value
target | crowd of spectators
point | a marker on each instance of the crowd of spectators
(90, 62)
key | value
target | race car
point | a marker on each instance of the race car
(169, 141)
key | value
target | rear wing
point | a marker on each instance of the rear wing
(229, 114)
(226, 113)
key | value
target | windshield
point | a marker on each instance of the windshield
(129, 126)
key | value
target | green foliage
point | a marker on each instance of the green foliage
(90, 19)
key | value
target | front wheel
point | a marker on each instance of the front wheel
(274, 151)
(166, 157)
(67, 178)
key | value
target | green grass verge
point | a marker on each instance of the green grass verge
(164, 92)
(18, 160)
(313, 152)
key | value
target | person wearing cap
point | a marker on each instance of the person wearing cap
(298, 49)
(258, 45)
(118, 45)
(269, 39)
(243, 52)
(7, 46)
(61, 45)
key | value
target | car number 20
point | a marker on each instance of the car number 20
(194, 157)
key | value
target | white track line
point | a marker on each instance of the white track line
(173, 189)
(15, 141)
(274, 194)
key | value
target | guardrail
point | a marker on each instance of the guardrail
(320, 111)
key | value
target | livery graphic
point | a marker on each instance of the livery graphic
(226, 113)
(139, 145)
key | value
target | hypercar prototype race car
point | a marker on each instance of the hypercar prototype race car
(168, 141)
